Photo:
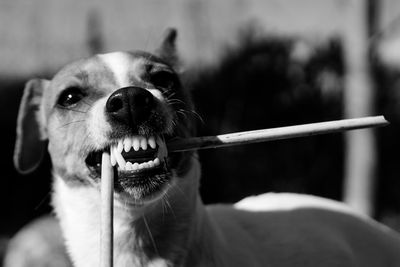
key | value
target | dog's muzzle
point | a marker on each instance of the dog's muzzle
(137, 146)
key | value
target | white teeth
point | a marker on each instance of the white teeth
(119, 158)
(143, 143)
(145, 165)
(127, 144)
(152, 142)
(129, 166)
(135, 166)
(150, 163)
(136, 143)
(120, 146)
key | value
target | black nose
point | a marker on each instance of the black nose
(130, 105)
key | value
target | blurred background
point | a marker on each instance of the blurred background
(249, 64)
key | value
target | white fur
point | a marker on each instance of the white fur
(79, 212)
(97, 126)
(157, 94)
(122, 66)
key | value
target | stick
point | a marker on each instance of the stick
(107, 204)
(241, 138)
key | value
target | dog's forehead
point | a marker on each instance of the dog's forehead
(123, 66)
(117, 69)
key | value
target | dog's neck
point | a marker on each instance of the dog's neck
(160, 235)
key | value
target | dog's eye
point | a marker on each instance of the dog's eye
(163, 79)
(70, 96)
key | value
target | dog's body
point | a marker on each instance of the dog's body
(134, 101)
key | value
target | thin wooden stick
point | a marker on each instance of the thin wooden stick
(107, 207)
(264, 135)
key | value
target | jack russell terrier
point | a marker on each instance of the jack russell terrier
(132, 104)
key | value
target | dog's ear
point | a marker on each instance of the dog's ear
(167, 49)
(30, 145)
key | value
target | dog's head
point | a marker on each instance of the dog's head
(128, 103)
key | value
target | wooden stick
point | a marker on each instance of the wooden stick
(241, 138)
(107, 207)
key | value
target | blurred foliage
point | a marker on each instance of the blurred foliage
(260, 84)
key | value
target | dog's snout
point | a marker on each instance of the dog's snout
(130, 105)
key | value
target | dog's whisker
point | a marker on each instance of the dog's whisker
(175, 101)
(197, 115)
(180, 190)
(71, 122)
(163, 208)
(47, 196)
(169, 93)
(172, 102)
(90, 105)
(85, 138)
(185, 112)
(174, 123)
(169, 204)
(150, 235)
(75, 110)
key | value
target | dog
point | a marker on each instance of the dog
(132, 104)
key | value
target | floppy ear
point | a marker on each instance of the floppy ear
(167, 49)
(30, 145)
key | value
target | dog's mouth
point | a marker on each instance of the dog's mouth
(140, 163)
